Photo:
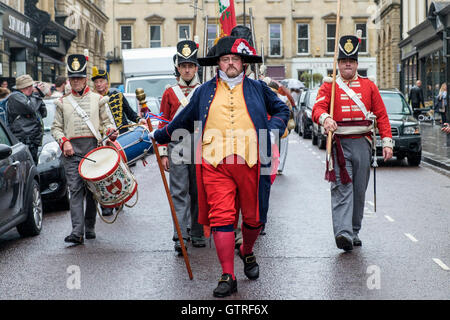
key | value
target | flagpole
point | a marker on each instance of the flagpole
(244, 13)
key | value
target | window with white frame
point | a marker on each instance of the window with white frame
(155, 36)
(363, 28)
(183, 30)
(331, 36)
(302, 38)
(126, 38)
(212, 34)
(275, 39)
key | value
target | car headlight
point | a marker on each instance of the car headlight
(411, 130)
(50, 152)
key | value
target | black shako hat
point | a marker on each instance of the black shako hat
(348, 47)
(231, 45)
(186, 52)
(76, 66)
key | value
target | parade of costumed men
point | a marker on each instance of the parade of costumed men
(233, 157)
(177, 156)
(358, 110)
(119, 108)
(79, 117)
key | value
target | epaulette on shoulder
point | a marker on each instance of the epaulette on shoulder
(328, 79)
(371, 78)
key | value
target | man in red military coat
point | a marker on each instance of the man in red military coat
(182, 168)
(357, 104)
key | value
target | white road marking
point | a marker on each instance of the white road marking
(314, 153)
(441, 264)
(411, 237)
(389, 219)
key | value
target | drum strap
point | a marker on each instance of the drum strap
(83, 115)
(184, 100)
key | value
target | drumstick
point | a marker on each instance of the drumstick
(118, 128)
(80, 156)
(140, 95)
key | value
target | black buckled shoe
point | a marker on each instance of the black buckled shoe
(226, 286)
(106, 212)
(177, 247)
(198, 242)
(74, 239)
(251, 267)
(356, 241)
(344, 243)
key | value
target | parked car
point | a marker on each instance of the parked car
(297, 107)
(303, 120)
(53, 182)
(20, 197)
(405, 128)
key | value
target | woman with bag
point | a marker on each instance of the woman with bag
(440, 104)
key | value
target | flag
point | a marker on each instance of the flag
(227, 17)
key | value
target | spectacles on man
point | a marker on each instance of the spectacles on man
(228, 59)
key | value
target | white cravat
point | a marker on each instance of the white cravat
(232, 82)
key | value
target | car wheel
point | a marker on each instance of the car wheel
(32, 226)
(322, 142)
(313, 137)
(414, 159)
(306, 135)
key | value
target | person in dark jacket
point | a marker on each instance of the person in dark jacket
(25, 113)
(440, 103)
(416, 97)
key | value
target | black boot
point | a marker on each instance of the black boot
(226, 286)
(356, 241)
(74, 239)
(344, 243)
(251, 267)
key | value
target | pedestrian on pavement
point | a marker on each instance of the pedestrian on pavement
(182, 181)
(5, 84)
(25, 113)
(60, 85)
(352, 134)
(440, 103)
(119, 109)
(446, 128)
(234, 154)
(75, 137)
(415, 98)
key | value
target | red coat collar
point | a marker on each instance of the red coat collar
(86, 90)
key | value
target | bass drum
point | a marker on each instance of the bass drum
(108, 177)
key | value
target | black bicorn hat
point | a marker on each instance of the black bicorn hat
(186, 52)
(348, 47)
(99, 74)
(230, 45)
(242, 32)
(76, 66)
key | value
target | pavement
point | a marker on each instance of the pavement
(435, 145)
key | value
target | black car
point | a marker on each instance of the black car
(20, 197)
(303, 120)
(53, 184)
(405, 128)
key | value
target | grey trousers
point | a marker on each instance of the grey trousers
(347, 200)
(183, 188)
(83, 216)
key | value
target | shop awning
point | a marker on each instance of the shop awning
(51, 59)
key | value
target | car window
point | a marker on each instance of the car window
(312, 98)
(48, 120)
(132, 102)
(4, 139)
(152, 87)
(395, 103)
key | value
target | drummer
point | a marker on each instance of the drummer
(119, 108)
(118, 104)
(77, 135)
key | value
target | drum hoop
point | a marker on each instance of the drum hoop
(120, 149)
(106, 174)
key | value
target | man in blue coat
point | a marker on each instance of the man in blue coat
(233, 161)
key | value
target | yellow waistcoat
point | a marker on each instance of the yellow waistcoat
(229, 129)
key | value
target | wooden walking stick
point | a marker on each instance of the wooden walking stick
(333, 86)
(140, 95)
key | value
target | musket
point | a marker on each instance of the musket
(140, 95)
(333, 87)
(253, 40)
(205, 44)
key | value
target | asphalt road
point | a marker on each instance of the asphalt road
(405, 252)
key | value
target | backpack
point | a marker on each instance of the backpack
(4, 110)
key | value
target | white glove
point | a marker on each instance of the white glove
(152, 135)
